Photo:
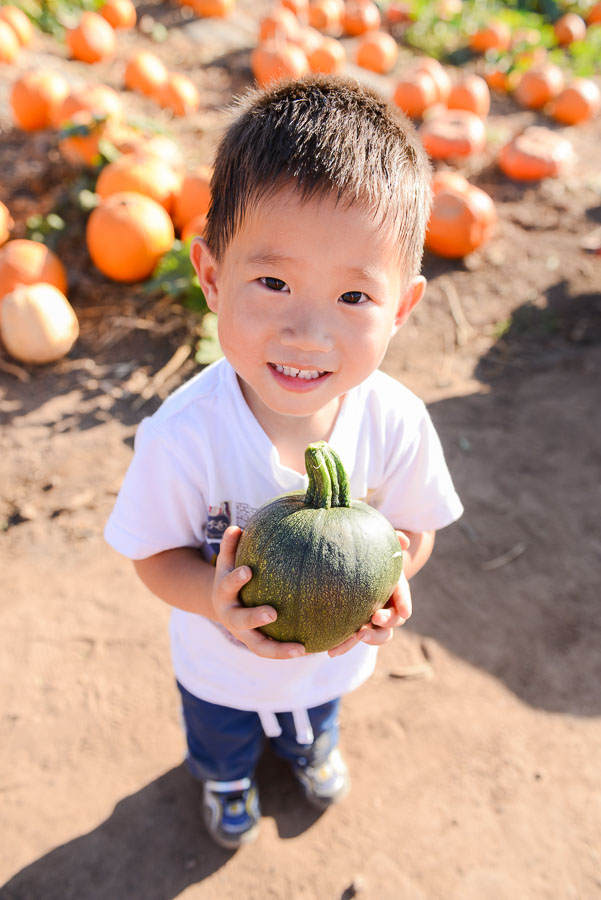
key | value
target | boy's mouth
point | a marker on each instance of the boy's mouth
(294, 377)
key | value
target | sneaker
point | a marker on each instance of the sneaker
(326, 783)
(231, 812)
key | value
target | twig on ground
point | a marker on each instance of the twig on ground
(413, 673)
(13, 369)
(463, 329)
(159, 378)
(505, 558)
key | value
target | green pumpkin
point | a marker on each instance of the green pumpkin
(325, 562)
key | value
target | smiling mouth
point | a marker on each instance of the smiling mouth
(303, 374)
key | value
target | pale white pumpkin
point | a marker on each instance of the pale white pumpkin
(37, 323)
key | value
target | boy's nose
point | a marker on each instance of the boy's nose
(307, 333)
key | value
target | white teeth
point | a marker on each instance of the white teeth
(307, 374)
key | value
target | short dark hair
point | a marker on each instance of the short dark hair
(322, 135)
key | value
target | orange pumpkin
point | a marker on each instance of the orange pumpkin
(447, 179)
(534, 154)
(145, 73)
(328, 58)
(19, 23)
(472, 94)
(377, 51)
(194, 196)
(569, 28)
(398, 13)
(179, 94)
(27, 262)
(92, 39)
(438, 73)
(453, 133)
(415, 92)
(309, 39)
(9, 43)
(217, 9)
(272, 60)
(325, 15)
(6, 223)
(160, 147)
(97, 99)
(119, 13)
(494, 36)
(143, 174)
(194, 228)
(127, 234)
(35, 97)
(463, 218)
(594, 14)
(360, 16)
(83, 149)
(280, 23)
(578, 102)
(539, 85)
(298, 7)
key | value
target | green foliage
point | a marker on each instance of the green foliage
(53, 16)
(175, 277)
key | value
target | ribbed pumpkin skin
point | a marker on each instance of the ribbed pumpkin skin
(325, 571)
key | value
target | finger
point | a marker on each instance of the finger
(345, 646)
(404, 541)
(225, 594)
(226, 559)
(389, 617)
(242, 618)
(401, 598)
(375, 637)
(270, 649)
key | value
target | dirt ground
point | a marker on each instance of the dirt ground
(475, 748)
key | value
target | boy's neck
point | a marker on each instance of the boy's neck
(290, 435)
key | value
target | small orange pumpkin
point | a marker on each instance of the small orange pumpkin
(119, 13)
(179, 94)
(447, 179)
(328, 58)
(84, 149)
(280, 23)
(127, 234)
(569, 28)
(360, 16)
(6, 223)
(377, 51)
(145, 73)
(535, 153)
(472, 94)
(19, 23)
(325, 15)
(97, 99)
(194, 196)
(300, 8)
(578, 102)
(494, 36)
(141, 173)
(162, 147)
(453, 133)
(194, 228)
(398, 13)
(273, 60)
(594, 14)
(215, 9)
(9, 43)
(539, 85)
(92, 39)
(26, 262)
(439, 74)
(463, 218)
(35, 97)
(415, 92)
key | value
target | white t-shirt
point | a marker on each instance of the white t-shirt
(202, 462)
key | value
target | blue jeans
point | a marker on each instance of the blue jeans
(225, 744)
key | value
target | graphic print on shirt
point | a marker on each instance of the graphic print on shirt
(220, 516)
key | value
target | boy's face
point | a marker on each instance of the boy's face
(308, 296)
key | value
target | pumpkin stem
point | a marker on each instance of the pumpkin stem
(328, 482)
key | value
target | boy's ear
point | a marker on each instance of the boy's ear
(413, 294)
(206, 269)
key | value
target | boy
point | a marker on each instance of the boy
(310, 260)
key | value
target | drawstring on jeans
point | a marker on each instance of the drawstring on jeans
(302, 725)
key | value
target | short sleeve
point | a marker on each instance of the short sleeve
(417, 491)
(159, 506)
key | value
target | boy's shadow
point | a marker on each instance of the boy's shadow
(153, 845)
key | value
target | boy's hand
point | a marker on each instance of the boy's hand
(239, 620)
(380, 629)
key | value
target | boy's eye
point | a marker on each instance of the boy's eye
(273, 284)
(353, 297)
